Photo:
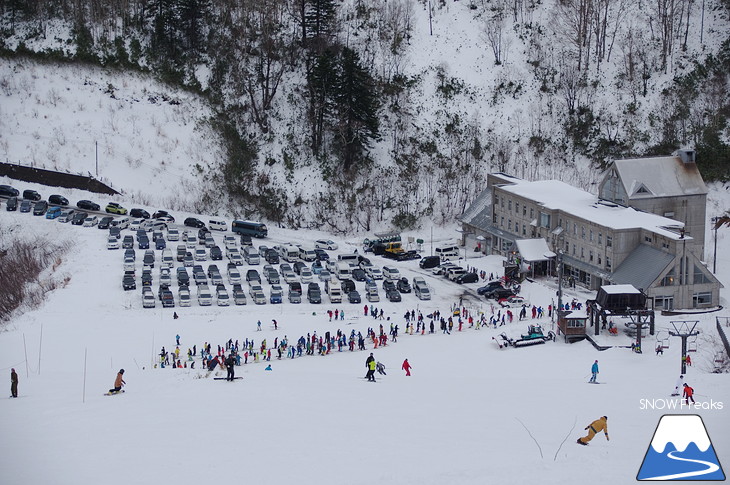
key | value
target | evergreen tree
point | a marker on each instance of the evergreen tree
(319, 20)
(193, 16)
(322, 81)
(357, 108)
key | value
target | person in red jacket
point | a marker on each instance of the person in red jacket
(688, 392)
(406, 367)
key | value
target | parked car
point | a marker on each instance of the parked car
(469, 277)
(325, 244)
(79, 218)
(393, 296)
(56, 199)
(168, 301)
(40, 208)
(183, 278)
(498, 293)
(492, 285)
(173, 234)
(403, 285)
(272, 257)
(277, 294)
(253, 275)
(194, 222)
(162, 213)
(354, 297)
(514, 301)
(221, 296)
(216, 254)
(112, 243)
(25, 205)
(104, 222)
(88, 205)
(141, 213)
(147, 277)
(324, 275)
(128, 283)
(31, 195)
(322, 255)
(183, 296)
(12, 204)
(372, 295)
(160, 243)
(9, 191)
(115, 208)
(306, 275)
(239, 296)
(347, 285)
(148, 299)
(66, 216)
(143, 243)
(358, 274)
(90, 221)
(388, 285)
(188, 260)
(314, 294)
(429, 262)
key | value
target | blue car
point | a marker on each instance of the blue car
(160, 243)
(53, 212)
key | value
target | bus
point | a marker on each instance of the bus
(249, 228)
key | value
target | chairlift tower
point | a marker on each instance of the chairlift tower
(684, 332)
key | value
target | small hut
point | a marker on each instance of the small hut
(572, 324)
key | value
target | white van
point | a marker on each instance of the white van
(167, 260)
(344, 271)
(204, 296)
(290, 254)
(348, 258)
(334, 290)
(306, 254)
(251, 255)
(391, 273)
(446, 252)
(217, 225)
(121, 223)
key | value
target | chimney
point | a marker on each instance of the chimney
(686, 155)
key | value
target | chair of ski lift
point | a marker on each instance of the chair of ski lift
(662, 340)
(692, 345)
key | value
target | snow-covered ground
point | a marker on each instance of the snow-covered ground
(470, 413)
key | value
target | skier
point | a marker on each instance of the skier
(370, 366)
(679, 385)
(406, 367)
(177, 339)
(118, 382)
(230, 363)
(599, 424)
(380, 367)
(594, 372)
(687, 394)
(13, 383)
(659, 349)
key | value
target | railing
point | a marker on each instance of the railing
(723, 335)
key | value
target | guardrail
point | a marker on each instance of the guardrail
(55, 179)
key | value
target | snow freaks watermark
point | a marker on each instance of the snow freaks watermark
(663, 404)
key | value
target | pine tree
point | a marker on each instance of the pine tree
(357, 108)
(318, 23)
(322, 81)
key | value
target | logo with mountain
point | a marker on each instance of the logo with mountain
(681, 450)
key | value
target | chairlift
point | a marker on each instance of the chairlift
(692, 345)
(662, 340)
(719, 358)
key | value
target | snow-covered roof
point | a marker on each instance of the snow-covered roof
(642, 267)
(479, 212)
(534, 249)
(576, 314)
(557, 195)
(659, 177)
(619, 289)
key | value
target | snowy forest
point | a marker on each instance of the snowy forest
(357, 114)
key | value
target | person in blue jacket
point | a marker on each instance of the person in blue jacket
(594, 371)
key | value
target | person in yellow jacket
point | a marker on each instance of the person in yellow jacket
(599, 424)
(371, 369)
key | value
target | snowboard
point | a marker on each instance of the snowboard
(113, 393)
(224, 379)
(595, 382)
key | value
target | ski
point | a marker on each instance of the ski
(113, 393)
(224, 378)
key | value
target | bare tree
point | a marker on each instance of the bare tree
(493, 33)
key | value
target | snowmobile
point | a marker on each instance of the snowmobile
(533, 336)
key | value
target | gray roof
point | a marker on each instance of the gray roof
(479, 213)
(660, 176)
(642, 267)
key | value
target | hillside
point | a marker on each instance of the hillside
(360, 115)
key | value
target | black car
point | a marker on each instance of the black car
(79, 218)
(297, 267)
(12, 204)
(246, 240)
(193, 222)
(40, 208)
(104, 222)
(183, 279)
(203, 233)
(87, 205)
(393, 295)
(322, 254)
(314, 294)
(25, 205)
(253, 275)
(354, 297)
(115, 231)
(128, 283)
(216, 254)
(388, 285)
(272, 257)
(143, 242)
(161, 213)
(347, 285)
(31, 195)
(8, 191)
(56, 199)
(141, 213)
(492, 285)
(498, 293)
(146, 278)
(358, 274)
(469, 277)
(429, 262)
(403, 286)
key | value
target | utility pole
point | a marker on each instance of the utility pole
(559, 309)
(714, 257)
(643, 317)
(684, 332)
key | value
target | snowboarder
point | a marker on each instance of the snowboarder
(177, 339)
(371, 368)
(230, 367)
(687, 394)
(594, 372)
(13, 383)
(174, 316)
(599, 424)
(118, 382)
(406, 367)
(678, 386)
(659, 349)
(380, 367)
